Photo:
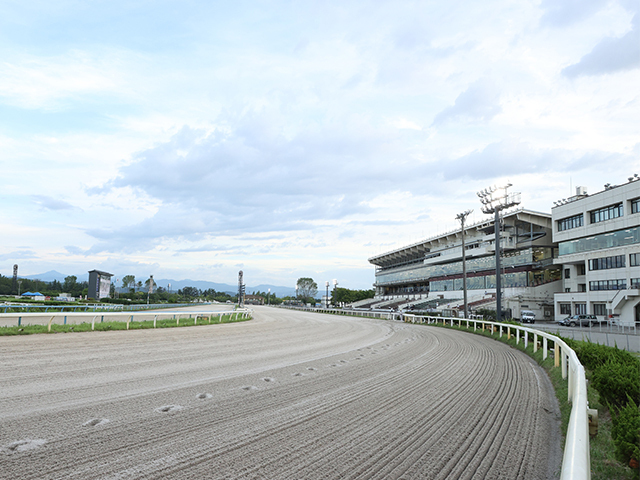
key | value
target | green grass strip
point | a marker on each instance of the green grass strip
(112, 325)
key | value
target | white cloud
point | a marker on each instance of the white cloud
(479, 102)
(610, 55)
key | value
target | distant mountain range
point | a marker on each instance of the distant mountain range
(52, 275)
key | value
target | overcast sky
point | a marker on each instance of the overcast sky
(194, 139)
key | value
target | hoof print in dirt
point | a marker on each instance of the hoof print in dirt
(168, 408)
(297, 374)
(95, 422)
(204, 396)
(249, 388)
(311, 368)
(268, 379)
(21, 446)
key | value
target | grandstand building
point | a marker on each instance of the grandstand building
(429, 273)
(599, 252)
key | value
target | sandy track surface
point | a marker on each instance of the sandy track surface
(287, 395)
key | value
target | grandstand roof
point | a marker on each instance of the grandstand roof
(416, 251)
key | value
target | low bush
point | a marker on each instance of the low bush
(625, 432)
(594, 355)
(617, 382)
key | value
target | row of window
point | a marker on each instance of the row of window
(634, 259)
(597, 216)
(606, 213)
(620, 238)
(581, 309)
(608, 285)
(605, 263)
(570, 222)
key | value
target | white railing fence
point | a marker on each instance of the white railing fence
(576, 460)
(65, 318)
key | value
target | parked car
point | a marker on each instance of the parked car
(527, 316)
(581, 320)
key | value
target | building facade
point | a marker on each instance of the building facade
(432, 269)
(598, 240)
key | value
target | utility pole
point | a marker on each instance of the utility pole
(462, 217)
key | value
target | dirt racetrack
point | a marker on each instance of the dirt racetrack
(287, 395)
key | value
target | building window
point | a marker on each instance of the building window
(605, 263)
(582, 287)
(635, 283)
(567, 273)
(581, 308)
(634, 259)
(606, 213)
(635, 205)
(599, 308)
(567, 290)
(565, 309)
(619, 238)
(581, 269)
(570, 222)
(608, 285)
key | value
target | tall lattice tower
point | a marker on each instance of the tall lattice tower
(14, 284)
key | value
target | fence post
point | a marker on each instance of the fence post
(545, 348)
(154, 321)
(535, 342)
(19, 320)
(49, 326)
(556, 354)
(564, 358)
(526, 339)
(130, 319)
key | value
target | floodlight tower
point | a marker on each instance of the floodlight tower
(335, 284)
(494, 200)
(462, 217)
(240, 290)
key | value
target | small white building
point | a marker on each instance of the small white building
(598, 240)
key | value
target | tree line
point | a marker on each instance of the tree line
(50, 289)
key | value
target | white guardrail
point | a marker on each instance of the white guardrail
(73, 317)
(576, 460)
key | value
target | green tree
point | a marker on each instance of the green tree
(129, 281)
(344, 295)
(69, 284)
(190, 292)
(307, 289)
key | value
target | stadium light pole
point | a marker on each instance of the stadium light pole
(494, 200)
(462, 217)
(326, 302)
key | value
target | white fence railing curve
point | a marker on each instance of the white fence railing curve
(576, 461)
(128, 317)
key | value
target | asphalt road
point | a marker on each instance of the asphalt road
(287, 395)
